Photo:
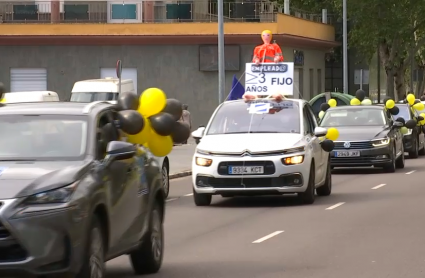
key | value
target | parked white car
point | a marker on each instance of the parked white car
(248, 151)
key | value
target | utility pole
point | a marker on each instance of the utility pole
(221, 65)
(345, 45)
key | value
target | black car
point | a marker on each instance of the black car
(368, 136)
(70, 198)
(414, 140)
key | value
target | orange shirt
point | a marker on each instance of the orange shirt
(267, 52)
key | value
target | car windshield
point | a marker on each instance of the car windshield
(354, 117)
(237, 117)
(94, 96)
(403, 112)
(42, 137)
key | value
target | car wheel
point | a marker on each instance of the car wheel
(201, 200)
(165, 179)
(400, 161)
(326, 188)
(309, 195)
(147, 259)
(390, 167)
(94, 259)
(415, 152)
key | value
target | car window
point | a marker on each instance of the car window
(404, 112)
(313, 116)
(308, 126)
(93, 96)
(43, 137)
(236, 117)
(357, 116)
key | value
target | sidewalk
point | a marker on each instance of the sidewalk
(181, 160)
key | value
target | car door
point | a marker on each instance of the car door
(121, 190)
(313, 144)
(395, 133)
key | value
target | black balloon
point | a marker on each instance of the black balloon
(411, 124)
(174, 107)
(401, 119)
(128, 101)
(131, 122)
(417, 101)
(360, 94)
(420, 118)
(181, 132)
(324, 107)
(328, 145)
(394, 111)
(423, 98)
(109, 133)
(162, 123)
(423, 128)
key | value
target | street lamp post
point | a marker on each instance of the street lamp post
(345, 45)
(221, 68)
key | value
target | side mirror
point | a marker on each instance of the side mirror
(119, 150)
(320, 131)
(398, 124)
(199, 133)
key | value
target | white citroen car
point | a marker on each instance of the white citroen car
(261, 148)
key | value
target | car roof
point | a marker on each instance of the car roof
(345, 107)
(53, 108)
(242, 101)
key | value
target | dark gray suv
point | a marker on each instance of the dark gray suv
(70, 199)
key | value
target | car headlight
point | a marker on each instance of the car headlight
(60, 195)
(201, 161)
(381, 142)
(293, 160)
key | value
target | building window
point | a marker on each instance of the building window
(28, 79)
(124, 13)
(179, 12)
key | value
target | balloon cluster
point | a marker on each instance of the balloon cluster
(325, 106)
(328, 141)
(416, 107)
(360, 99)
(152, 120)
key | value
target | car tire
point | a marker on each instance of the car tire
(147, 259)
(201, 200)
(390, 167)
(326, 188)
(165, 179)
(400, 161)
(308, 197)
(94, 258)
(415, 152)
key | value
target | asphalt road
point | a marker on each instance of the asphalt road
(372, 226)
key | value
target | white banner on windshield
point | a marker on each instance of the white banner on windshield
(269, 78)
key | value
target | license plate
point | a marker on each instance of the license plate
(238, 170)
(347, 154)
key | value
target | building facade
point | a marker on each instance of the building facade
(178, 57)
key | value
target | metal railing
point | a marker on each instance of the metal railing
(127, 11)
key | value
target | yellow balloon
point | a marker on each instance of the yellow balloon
(332, 134)
(321, 114)
(332, 102)
(3, 100)
(152, 101)
(355, 101)
(141, 137)
(411, 99)
(160, 145)
(419, 106)
(404, 130)
(390, 104)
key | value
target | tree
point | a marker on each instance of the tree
(388, 26)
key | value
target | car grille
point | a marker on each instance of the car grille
(4, 233)
(269, 168)
(10, 250)
(356, 145)
(361, 159)
(292, 180)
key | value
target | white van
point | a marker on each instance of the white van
(100, 89)
(34, 96)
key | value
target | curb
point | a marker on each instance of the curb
(180, 174)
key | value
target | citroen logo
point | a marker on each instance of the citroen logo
(245, 153)
(347, 145)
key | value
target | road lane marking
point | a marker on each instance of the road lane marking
(335, 206)
(172, 199)
(187, 195)
(379, 186)
(268, 237)
(408, 173)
